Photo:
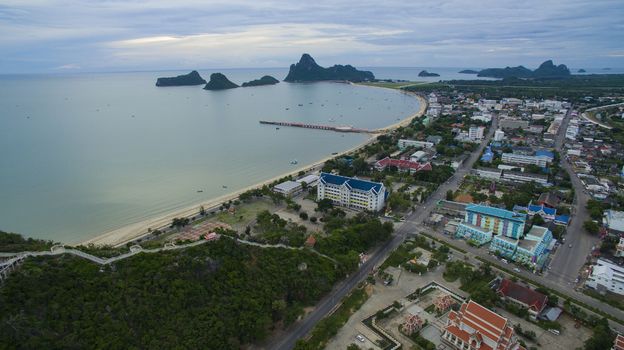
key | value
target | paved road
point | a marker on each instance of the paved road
(412, 225)
(567, 261)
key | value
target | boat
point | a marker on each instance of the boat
(224, 186)
(300, 105)
(200, 191)
(334, 153)
(277, 128)
(332, 120)
(294, 161)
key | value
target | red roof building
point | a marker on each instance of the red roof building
(474, 327)
(311, 241)
(526, 297)
(618, 344)
(402, 165)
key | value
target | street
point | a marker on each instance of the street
(567, 261)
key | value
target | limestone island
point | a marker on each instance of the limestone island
(545, 70)
(581, 71)
(468, 71)
(219, 81)
(193, 78)
(265, 80)
(307, 70)
(424, 73)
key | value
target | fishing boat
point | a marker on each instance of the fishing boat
(294, 161)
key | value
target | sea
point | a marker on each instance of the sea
(84, 154)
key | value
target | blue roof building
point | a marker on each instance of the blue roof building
(545, 153)
(351, 192)
(488, 155)
(499, 221)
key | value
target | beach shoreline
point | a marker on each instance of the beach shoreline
(128, 233)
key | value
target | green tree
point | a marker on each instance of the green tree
(591, 227)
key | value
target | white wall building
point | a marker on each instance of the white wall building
(475, 133)
(606, 275)
(288, 188)
(405, 143)
(499, 135)
(351, 192)
(541, 161)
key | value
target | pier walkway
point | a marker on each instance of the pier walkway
(320, 127)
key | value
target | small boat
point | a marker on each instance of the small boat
(224, 186)
(287, 108)
(334, 153)
(332, 120)
(277, 128)
(200, 191)
(294, 161)
(300, 105)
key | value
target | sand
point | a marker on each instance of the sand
(131, 232)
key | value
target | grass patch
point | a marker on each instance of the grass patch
(329, 326)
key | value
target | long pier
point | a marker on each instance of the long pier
(319, 127)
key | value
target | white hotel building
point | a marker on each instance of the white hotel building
(352, 193)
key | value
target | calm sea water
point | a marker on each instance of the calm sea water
(84, 154)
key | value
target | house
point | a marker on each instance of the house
(434, 139)
(618, 343)
(402, 165)
(613, 220)
(545, 212)
(475, 327)
(310, 242)
(405, 143)
(550, 199)
(525, 297)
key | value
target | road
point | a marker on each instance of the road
(567, 261)
(412, 225)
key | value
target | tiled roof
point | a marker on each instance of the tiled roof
(618, 344)
(403, 164)
(535, 300)
(537, 208)
(500, 213)
(352, 183)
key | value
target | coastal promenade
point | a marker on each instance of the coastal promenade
(129, 233)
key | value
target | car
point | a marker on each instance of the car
(570, 245)
(516, 269)
(360, 338)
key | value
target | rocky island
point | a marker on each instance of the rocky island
(468, 71)
(424, 73)
(581, 71)
(265, 80)
(545, 70)
(219, 81)
(308, 70)
(193, 78)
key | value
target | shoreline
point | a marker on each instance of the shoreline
(128, 233)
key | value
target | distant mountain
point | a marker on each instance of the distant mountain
(307, 70)
(545, 70)
(468, 71)
(219, 81)
(424, 73)
(193, 78)
(265, 80)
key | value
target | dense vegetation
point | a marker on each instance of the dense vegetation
(214, 296)
(219, 81)
(13, 242)
(265, 80)
(308, 70)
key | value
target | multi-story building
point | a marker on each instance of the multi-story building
(541, 161)
(475, 235)
(405, 143)
(499, 135)
(504, 246)
(517, 176)
(475, 133)
(532, 250)
(499, 221)
(606, 275)
(474, 327)
(488, 173)
(288, 188)
(510, 123)
(351, 192)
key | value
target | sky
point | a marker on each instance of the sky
(122, 35)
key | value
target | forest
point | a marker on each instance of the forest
(220, 295)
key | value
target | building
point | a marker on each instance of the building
(548, 214)
(499, 221)
(504, 246)
(510, 123)
(533, 249)
(475, 133)
(418, 156)
(488, 173)
(606, 275)
(288, 188)
(402, 165)
(517, 176)
(499, 135)
(404, 143)
(524, 297)
(549, 199)
(488, 155)
(474, 327)
(613, 220)
(619, 248)
(351, 192)
(473, 234)
(618, 343)
(310, 180)
(513, 158)
(435, 139)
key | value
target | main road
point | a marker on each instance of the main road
(570, 256)
(412, 224)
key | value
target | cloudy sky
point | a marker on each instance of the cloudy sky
(119, 35)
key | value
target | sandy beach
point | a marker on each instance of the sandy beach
(128, 233)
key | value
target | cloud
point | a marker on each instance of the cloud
(42, 35)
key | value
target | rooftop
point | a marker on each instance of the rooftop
(535, 300)
(352, 183)
(287, 186)
(538, 231)
(614, 219)
(497, 212)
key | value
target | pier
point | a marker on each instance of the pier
(319, 127)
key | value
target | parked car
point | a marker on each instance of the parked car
(360, 337)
